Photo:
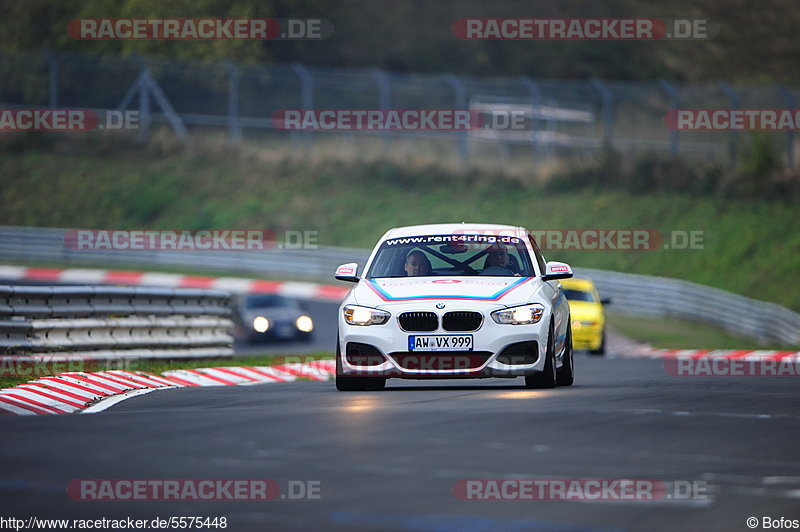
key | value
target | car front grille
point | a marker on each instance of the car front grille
(419, 321)
(462, 321)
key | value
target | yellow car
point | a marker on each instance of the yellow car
(586, 310)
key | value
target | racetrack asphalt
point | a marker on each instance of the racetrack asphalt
(389, 460)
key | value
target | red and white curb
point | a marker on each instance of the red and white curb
(93, 392)
(760, 355)
(302, 290)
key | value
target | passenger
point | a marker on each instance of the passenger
(417, 264)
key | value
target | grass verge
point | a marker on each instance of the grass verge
(674, 333)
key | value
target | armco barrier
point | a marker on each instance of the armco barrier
(642, 295)
(111, 322)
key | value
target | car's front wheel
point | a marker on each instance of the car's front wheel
(565, 375)
(348, 383)
(547, 377)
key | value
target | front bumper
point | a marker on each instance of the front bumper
(587, 337)
(494, 346)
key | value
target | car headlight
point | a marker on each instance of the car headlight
(356, 315)
(261, 324)
(304, 324)
(577, 324)
(523, 315)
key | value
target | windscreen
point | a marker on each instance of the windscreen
(452, 255)
(578, 295)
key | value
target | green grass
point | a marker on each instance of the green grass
(674, 333)
(8, 377)
(750, 246)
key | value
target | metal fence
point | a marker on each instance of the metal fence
(642, 295)
(240, 99)
(113, 323)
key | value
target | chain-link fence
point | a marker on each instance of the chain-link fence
(565, 117)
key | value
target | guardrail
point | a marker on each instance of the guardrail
(33, 244)
(635, 294)
(110, 322)
(652, 296)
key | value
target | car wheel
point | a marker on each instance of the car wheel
(600, 351)
(566, 374)
(547, 377)
(347, 383)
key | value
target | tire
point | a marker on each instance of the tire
(600, 351)
(547, 377)
(565, 376)
(346, 383)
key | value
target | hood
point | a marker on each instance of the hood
(497, 290)
(586, 311)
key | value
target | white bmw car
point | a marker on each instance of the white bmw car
(454, 301)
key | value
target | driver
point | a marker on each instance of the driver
(417, 264)
(498, 256)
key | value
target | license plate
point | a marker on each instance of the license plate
(440, 342)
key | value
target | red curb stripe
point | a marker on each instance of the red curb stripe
(113, 389)
(43, 274)
(53, 397)
(265, 287)
(23, 406)
(181, 381)
(119, 379)
(53, 389)
(196, 282)
(139, 379)
(264, 373)
(230, 371)
(33, 402)
(75, 385)
(201, 374)
(300, 373)
(114, 277)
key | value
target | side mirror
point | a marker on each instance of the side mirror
(605, 300)
(556, 270)
(347, 272)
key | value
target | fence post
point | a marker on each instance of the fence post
(234, 127)
(306, 95)
(672, 92)
(460, 104)
(384, 97)
(144, 105)
(731, 94)
(52, 65)
(790, 133)
(607, 100)
(536, 102)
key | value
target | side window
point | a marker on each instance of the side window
(538, 254)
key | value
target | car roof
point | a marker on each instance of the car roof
(453, 228)
(578, 283)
